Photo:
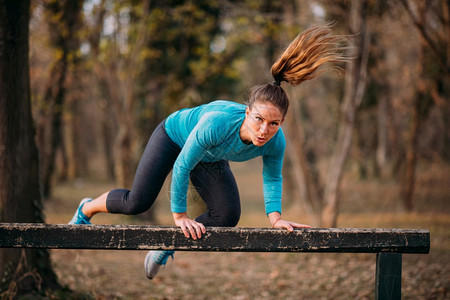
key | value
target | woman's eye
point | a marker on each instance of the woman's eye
(258, 119)
(274, 124)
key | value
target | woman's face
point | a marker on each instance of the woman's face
(261, 123)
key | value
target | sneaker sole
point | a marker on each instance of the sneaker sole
(147, 266)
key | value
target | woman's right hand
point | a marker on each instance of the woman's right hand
(190, 227)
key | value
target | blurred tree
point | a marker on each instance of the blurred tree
(117, 58)
(21, 270)
(190, 56)
(321, 193)
(93, 33)
(74, 149)
(432, 20)
(355, 81)
(63, 20)
(303, 180)
(370, 151)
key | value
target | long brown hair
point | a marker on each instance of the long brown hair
(300, 62)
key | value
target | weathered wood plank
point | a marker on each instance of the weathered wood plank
(133, 237)
(388, 276)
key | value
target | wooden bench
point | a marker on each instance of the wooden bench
(388, 244)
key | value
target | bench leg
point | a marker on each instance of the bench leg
(388, 277)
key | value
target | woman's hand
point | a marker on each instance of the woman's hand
(278, 222)
(190, 227)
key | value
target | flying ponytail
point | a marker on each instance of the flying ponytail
(300, 62)
(307, 52)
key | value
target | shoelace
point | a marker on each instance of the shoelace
(79, 217)
(83, 218)
(162, 257)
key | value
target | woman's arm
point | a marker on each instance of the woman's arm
(196, 146)
(273, 164)
(189, 156)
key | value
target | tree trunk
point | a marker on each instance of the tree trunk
(63, 19)
(407, 187)
(432, 85)
(50, 124)
(124, 157)
(306, 187)
(107, 140)
(107, 116)
(420, 108)
(77, 148)
(382, 135)
(354, 89)
(21, 271)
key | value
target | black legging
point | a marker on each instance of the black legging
(214, 182)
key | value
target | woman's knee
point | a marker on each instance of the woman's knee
(124, 202)
(228, 218)
(136, 207)
(139, 203)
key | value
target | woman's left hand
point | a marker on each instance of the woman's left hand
(280, 223)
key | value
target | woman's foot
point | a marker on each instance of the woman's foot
(154, 260)
(79, 217)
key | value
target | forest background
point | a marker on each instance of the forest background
(371, 137)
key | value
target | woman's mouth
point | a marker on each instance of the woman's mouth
(260, 139)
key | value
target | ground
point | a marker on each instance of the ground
(102, 274)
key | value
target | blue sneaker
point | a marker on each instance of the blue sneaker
(154, 260)
(79, 217)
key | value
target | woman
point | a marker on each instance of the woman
(198, 143)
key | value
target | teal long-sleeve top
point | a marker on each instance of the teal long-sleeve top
(210, 133)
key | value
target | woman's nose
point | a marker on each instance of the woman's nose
(264, 128)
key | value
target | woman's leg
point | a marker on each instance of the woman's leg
(216, 185)
(155, 164)
(95, 206)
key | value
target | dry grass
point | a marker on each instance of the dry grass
(204, 275)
